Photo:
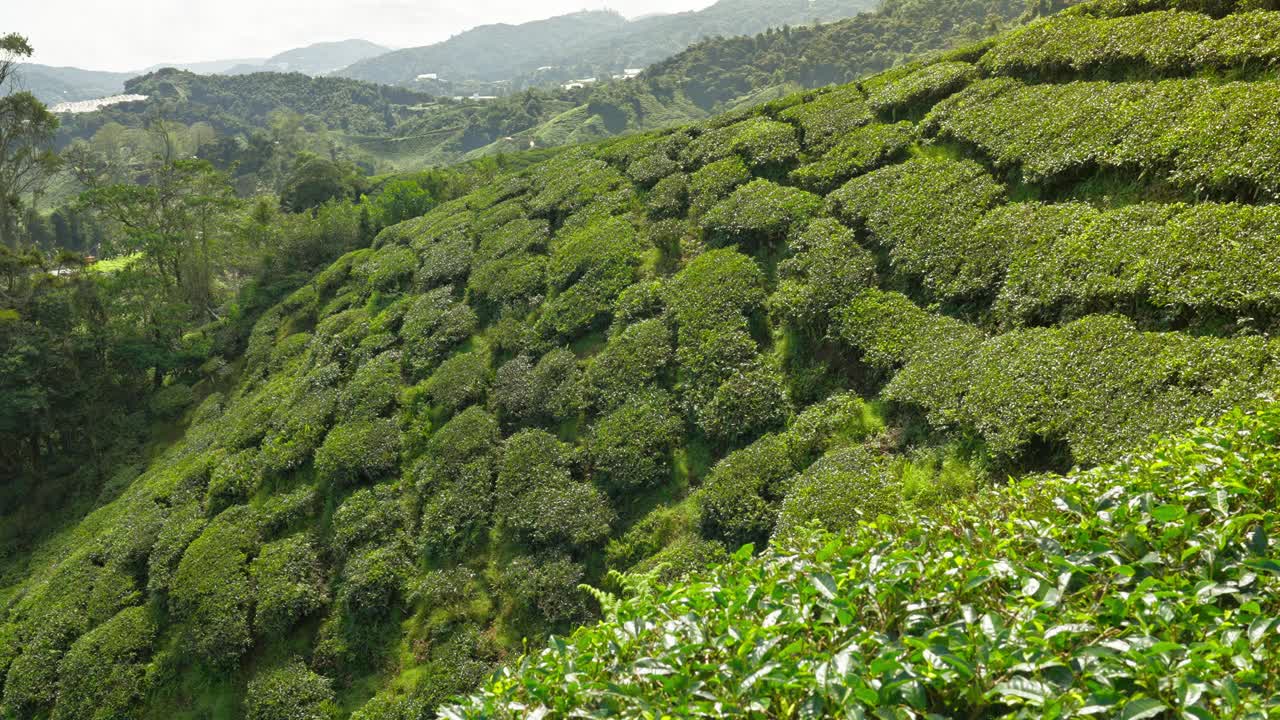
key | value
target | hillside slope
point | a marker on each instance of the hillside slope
(323, 58)
(585, 43)
(53, 85)
(642, 354)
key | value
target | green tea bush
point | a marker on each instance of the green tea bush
(969, 611)
(1165, 41)
(460, 381)
(669, 197)
(433, 326)
(170, 402)
(648, 170)
(212, 593)
(1205, 257)
(544, 588)
(546, 392)
(537, 500)
(641, 301)
(371, 515)
(445, 262)
(858, 152)
(289, 349)
(765, 145)
(290, 692)
(839, 491)
(1201, 134)
(758, 215)
(587, 270)
(715, 181)
(634, 359)
(745, 406)
(296, 429)
(373, 581)
(717, 288)
(289, 584)
(738, 502)
(923, 211)
(455, 476)
(358, 451)
(922, 88)
(181, 525)
(829, 117)
(630, 448)
(338, 336)
(104, 674)
(570, 182)
(374, 389)
(232, 481)
(388, 269)
(827, 269)
(508, 269)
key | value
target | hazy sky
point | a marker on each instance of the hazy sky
(124, 35)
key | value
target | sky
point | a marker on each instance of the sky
(127, 35)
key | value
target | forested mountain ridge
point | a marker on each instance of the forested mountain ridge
(588, 43)
(318, 59)
(640, 355)
(53, 85)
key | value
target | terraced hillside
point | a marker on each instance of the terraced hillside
(641, 355)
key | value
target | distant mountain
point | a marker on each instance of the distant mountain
(588, 42)
(53, 85)
(210, 67)
(318, 59)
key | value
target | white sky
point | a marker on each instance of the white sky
(126, 35)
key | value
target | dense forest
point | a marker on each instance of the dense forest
(946, 392)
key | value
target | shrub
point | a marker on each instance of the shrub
(104, 674)
(232, 481)
(433, 326)
(358, 451)
(923, 211)
(641, 301)
(289, 584)
(568, 183)
(738, 503)
(460, 381)
(587, 271)
(765, 145)
(388, 269)
(182, 525)
(827, 270)
(840, 490)
(630, 448)
(684, 557)
(211, 592)
(296, 429)
(759, 214)
(633, 360)
(374, 389)
(829, 117)
(370, 515)
(544, 589)
(456, 475)
(537, 499)
(922, 87)
(290, 692)
(551, 390)
(856, 153)
(508, 269)
(669, 198)
(372, 582)
(648, 170)
(745, 406)
(715, 181)
(719, 287)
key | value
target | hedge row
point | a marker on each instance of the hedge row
(923, 211)
(1203, 135)
(1097, 384)
(857, 152)
(922, 88)
(1166, 41)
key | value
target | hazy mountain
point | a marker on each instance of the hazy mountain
(67, 84)
(590, 41)
(209, 67)
(318, 59)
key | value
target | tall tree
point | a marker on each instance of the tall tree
(27, 130)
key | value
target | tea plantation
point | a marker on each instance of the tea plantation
(868, 330)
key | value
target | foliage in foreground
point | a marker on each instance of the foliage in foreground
(1143, 589)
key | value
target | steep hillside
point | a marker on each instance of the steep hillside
(318, 59)
(585, 44)
(1056, 597)
(640, 355)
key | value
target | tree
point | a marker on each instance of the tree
(316, 180)
(27, 131)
